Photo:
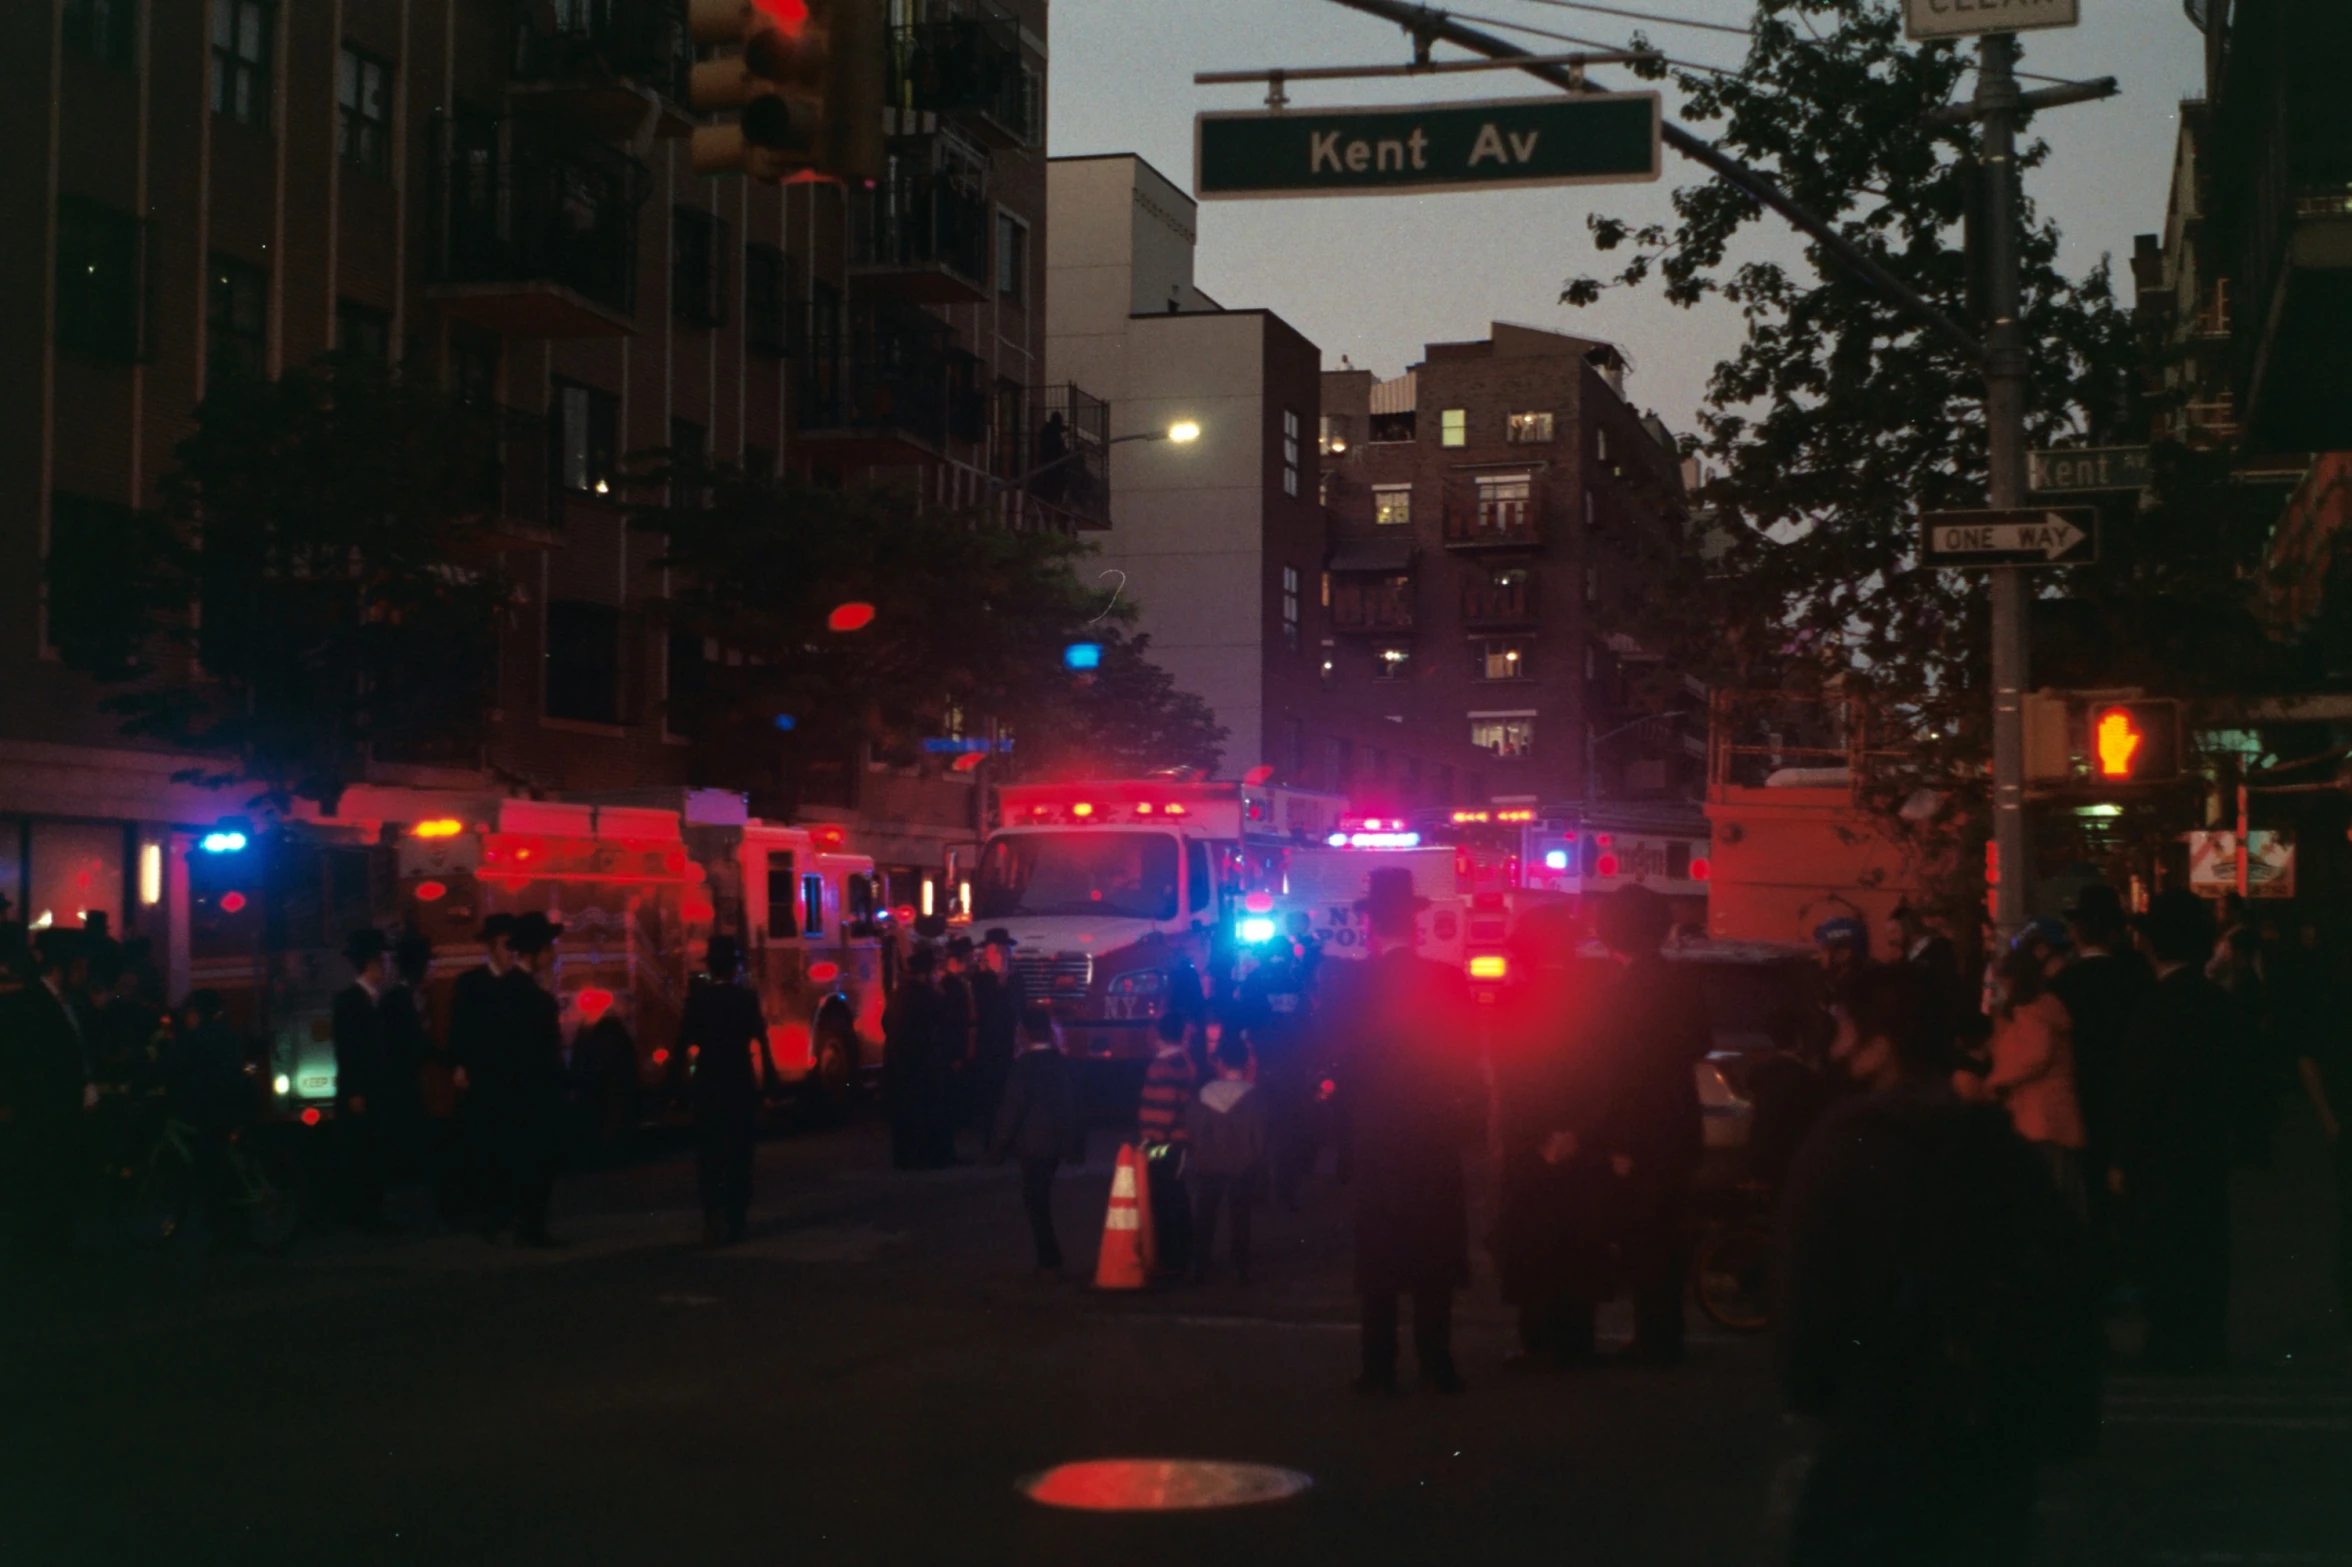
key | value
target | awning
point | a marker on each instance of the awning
(1388, 556)
(1397, 396)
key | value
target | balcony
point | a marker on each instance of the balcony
(968, 66)
(531, 239)
(1053, 442)
(922, 234)
(893, 390)
(1495, 605)
(1361, 605)
(602, 65)
(1493, 517)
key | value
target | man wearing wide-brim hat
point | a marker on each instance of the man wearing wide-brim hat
(1410, 1102)
(360, 1080)
(523, 1094)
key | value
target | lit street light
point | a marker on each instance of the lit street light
(1183, 432)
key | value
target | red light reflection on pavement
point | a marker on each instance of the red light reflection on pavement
(1161, 1485)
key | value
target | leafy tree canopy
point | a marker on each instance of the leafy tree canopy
(316, 592)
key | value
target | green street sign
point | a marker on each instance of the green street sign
(2084, 470)
(1600, 138)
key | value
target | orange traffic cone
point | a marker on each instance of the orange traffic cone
(1125, 1263)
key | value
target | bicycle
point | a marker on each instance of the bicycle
(1731, 1266)
(162, 1188)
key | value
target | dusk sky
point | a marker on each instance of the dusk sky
(1376, 277)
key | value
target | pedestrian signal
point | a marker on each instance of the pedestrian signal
(2132, 741)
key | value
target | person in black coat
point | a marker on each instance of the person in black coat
(721, 1030)
(1651, 1035)
(1551, 1246)
(996, 1025)
(477, 1020)
(2102, 990)
(2183, 1084)
(1411, 1101)
(1038, 1124)
(1938, 1324)
(914, 1067)
(45, 1061)
(522, 1086)
(362, 1081)
(408, 1044)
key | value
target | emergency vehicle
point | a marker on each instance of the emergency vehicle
(1113, 891)
(639, 892)
(1582, 853)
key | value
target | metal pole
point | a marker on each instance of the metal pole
(2005, 370)
(2242, 836)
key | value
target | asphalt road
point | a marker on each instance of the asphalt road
(870, 1375)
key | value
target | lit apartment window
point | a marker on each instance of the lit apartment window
(1601, 444)
(1453, 427)
(1333, 434)
(244, 36)
(1530, 429)
(1392, 662)
(1392, 505)
(363, 97)
(1503, 503)
(1290, 452)
(1499, 660)
(1505, 734)
(587, 424)
(1290, 608)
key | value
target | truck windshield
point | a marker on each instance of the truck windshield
(1129, 875)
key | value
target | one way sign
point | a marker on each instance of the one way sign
(2036, 536)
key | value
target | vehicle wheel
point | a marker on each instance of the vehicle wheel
(834, 1073)
(1731, 1273)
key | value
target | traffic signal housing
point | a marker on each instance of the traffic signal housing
(804, 80)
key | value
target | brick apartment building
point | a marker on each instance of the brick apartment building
(1472, 505)
(495, 196)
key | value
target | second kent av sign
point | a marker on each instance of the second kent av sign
(1600, 138)
(2032, 536)
(1967, 18)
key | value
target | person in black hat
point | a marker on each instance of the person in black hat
(1410, 1102)
(362, 1081)
(996, 1025)
(962, 1016)
(523, 1092)
(719, 1034)
(2183, 1054)
(2101, 990)
(914, 1069)
(476, 1014)
(1652, 1033)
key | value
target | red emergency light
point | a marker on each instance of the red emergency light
(311, 1117)
(661, 1055)
(232, 902)
(789, 15)
(850, 617)
(1702, 870)
(595, 1003)
(1259, 903)
(824, 973)
(1606, 865)
(827, 838)
(430, 892)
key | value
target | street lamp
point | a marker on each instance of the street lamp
(1183, 432)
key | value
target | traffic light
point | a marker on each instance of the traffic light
(805, 82)
(2135, 741)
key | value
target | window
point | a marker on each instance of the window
(586, 422)
(1503, 503)
(1505, 659)
(584, 662)
(1392, 505)
(1012, 259)
(1601, 444)
(236, 316)
(1392, 662)
(783, 887)
(105, 30)
(1290, 608)
(1453, 427)
(1332, 434)
(363, 95)
(363, 329)
(99, 279)
(812, 905)
(698, 291)
(1087, 874)
(1505, 734)
(244, 38)
(1290, 452)
(1196, 874)
(1590, 511)
(1330, 669)
(1529, 429)
(767, 299)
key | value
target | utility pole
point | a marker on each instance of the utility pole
(1997, 106)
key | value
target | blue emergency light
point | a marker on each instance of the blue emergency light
(1256, 930)
(222, 842)
(1082, 655)
(786, 722)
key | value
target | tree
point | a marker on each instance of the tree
(1125, 719)
(1840, 419)
(316, 593)
(969, 622)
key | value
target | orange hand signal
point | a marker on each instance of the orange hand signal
(2119, 742)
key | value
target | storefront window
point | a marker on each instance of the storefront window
(76, 870)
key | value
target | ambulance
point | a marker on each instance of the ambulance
(1117, 892)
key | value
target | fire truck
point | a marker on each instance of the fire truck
(639, 891)
(1577, 854)
(1115, 891)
